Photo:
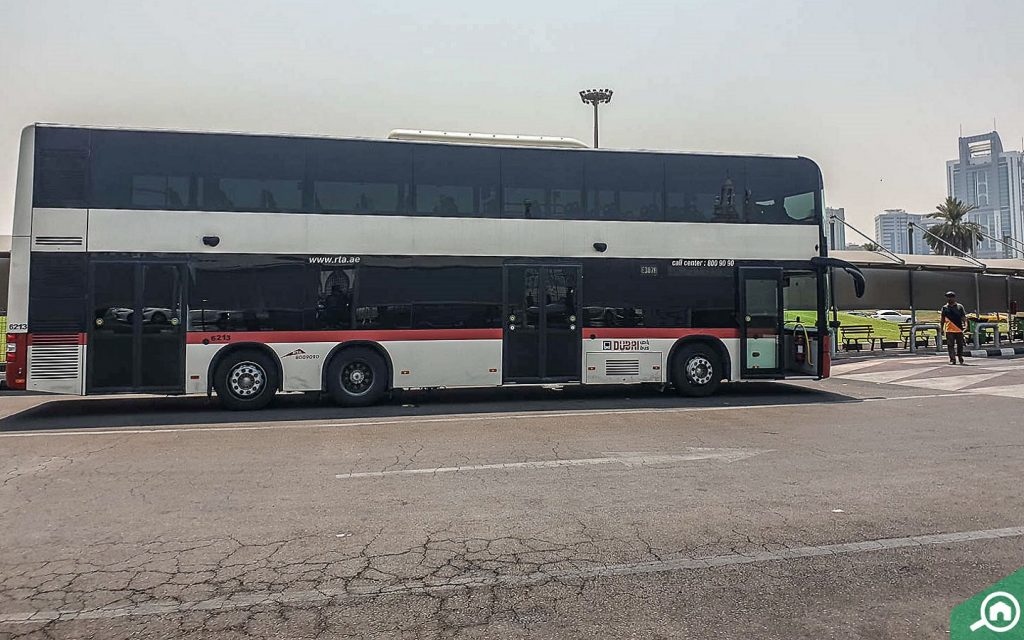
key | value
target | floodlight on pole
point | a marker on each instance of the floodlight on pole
(596, 97)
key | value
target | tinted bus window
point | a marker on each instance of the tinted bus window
(705, 188)
(650, 293)
(249, 173)
(132, 170)
(542, 184)
(249, 293)
(456, 181)
(783, 190)
(624, 186)
(59, 291)
(429, 298)
(355, 176)
(335, 297)
(221, 172)
(61, 168)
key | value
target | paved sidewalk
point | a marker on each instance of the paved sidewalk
(1003, 378)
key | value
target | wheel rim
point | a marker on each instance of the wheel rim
(246, 380)
(357, 378)
(699, 370)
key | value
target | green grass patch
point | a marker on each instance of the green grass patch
(888, 331)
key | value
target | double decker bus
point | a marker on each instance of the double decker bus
(172, 262)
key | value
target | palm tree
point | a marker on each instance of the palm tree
(870, 246)
(954, 228)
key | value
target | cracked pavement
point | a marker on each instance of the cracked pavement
(158, 518)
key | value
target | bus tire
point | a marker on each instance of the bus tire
(696, 370)
(245, 380)
(357, 377)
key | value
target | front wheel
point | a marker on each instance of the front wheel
(245, 380)
(357, 377)
(697, 371)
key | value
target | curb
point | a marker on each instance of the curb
(995, 353)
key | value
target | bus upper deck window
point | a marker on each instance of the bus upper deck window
(800, 206)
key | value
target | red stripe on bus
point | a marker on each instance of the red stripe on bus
(57, 338)
(657, 333)
(197, 337)
(215, 337)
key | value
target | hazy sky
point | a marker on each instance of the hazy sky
(874, 91)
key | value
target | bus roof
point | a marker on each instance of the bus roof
(497, 141)
(504, 139)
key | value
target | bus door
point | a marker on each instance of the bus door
(137, 333)
(542, 323)
(760, 322)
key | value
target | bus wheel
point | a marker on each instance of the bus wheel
(357, 377)
(696, 370)
(245, 380)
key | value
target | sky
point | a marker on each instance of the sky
(875, 92)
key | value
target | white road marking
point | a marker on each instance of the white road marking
(411, 420)
(328, 594)
(949, 383)
(1008, 391)
(628, 459)
(887, 377)
(842, 369)
(997, 365)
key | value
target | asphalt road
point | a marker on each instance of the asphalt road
(855, 508)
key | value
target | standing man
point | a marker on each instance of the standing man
(954, 321)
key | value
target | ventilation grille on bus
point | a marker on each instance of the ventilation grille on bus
(54, 357)
(622, 367)
(59, 241)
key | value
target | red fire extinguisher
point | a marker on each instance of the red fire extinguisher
(800, 347)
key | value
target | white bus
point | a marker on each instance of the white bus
(246, 265)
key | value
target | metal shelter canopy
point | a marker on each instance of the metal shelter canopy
(876, 260)
(991, 287)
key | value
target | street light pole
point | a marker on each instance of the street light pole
(910, 274)
(596, 97)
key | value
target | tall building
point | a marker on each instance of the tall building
(835, 231)
(993, 180)
(891, 231)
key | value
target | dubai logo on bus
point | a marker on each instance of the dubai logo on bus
(626, 345)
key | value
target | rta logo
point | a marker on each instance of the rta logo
(299, 354)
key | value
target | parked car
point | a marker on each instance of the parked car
(891, 316)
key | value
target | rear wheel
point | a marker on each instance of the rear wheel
(357, 377)
(245, 380)
(697, 370)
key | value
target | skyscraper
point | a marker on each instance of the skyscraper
(993, 180)
(891, 231)
(835, 230)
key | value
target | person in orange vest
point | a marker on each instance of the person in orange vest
(954, 321)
